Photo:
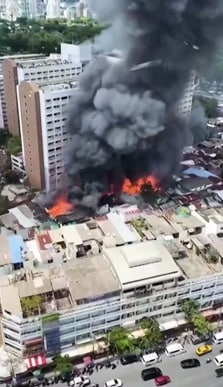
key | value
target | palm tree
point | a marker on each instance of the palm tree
(201, 325)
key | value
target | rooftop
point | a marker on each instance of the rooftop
(91, 279)
(44, 62)
(142, 263)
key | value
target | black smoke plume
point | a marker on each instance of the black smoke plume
(124, 123)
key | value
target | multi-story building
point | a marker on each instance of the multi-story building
(53, 9)
(43, 113)
(39, 71)
(85, 279)
(184, 105)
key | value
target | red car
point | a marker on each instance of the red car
(162, 380)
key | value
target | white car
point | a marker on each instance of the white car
(114, 383)
(80, 381)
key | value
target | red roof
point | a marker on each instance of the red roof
(44, 239)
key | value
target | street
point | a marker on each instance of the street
(131, 374)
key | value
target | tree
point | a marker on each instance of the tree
(4, 137)
(31, 304)
(63, 364)
(11, 176)
(152, 334)
(190, 308)
(14, 145)
(210, 106)
(120, 341)
(4, 204)
(201, 325)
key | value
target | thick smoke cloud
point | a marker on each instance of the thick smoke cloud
(123, 123)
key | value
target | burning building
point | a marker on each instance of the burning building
(124, 127)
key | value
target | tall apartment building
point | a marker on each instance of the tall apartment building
(184, 105)
(43, 112)
(53, 9)
(38, 71)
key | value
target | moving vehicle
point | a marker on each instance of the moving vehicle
(219, 372)
(162, 380)
(151, 373)
(203, 349)
(114, 383)
(174, 349)
(128, 359)
(150, 359)
(190, 363)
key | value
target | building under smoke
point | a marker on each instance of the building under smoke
(125, 124)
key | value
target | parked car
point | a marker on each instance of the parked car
(204, 349)
(219, 372)
(80, 381)
(128, 359)
(114, 383)
(151, 373)
(190, 363)
(162, 380)
(196, 340)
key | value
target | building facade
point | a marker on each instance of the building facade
(40, 71)
(48, 336)
(184, 105)
(43, 113)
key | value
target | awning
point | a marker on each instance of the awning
(165, 326)
(35, 361)
(87, 360)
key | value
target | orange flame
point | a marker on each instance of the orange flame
(136, 187)
(61, 207)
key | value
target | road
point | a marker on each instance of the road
(202, 376)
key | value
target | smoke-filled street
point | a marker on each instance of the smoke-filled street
(124, 121)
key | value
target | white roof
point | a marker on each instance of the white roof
(141, 263)
(110, 383)
(174, 347)
(219, 357)
(150, 356)
(218, 335)
(123, 230)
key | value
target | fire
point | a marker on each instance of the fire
(61, 207)
(136, 187)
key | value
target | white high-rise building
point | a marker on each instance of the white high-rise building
(53, 9)
(184, 104)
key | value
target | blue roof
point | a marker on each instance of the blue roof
(198, 172)
(17, 248)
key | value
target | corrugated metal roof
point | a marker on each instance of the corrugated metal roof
(17, 248)
(198, 172)
(122, 228)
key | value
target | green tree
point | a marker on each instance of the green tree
(201, 325)
(63, 364)
(190, 308)
(31, 304)
(152, 334)
(11, 176)
(14, 145)
(210, 106)
(4, 204)
(4, 137)
(120, 341)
